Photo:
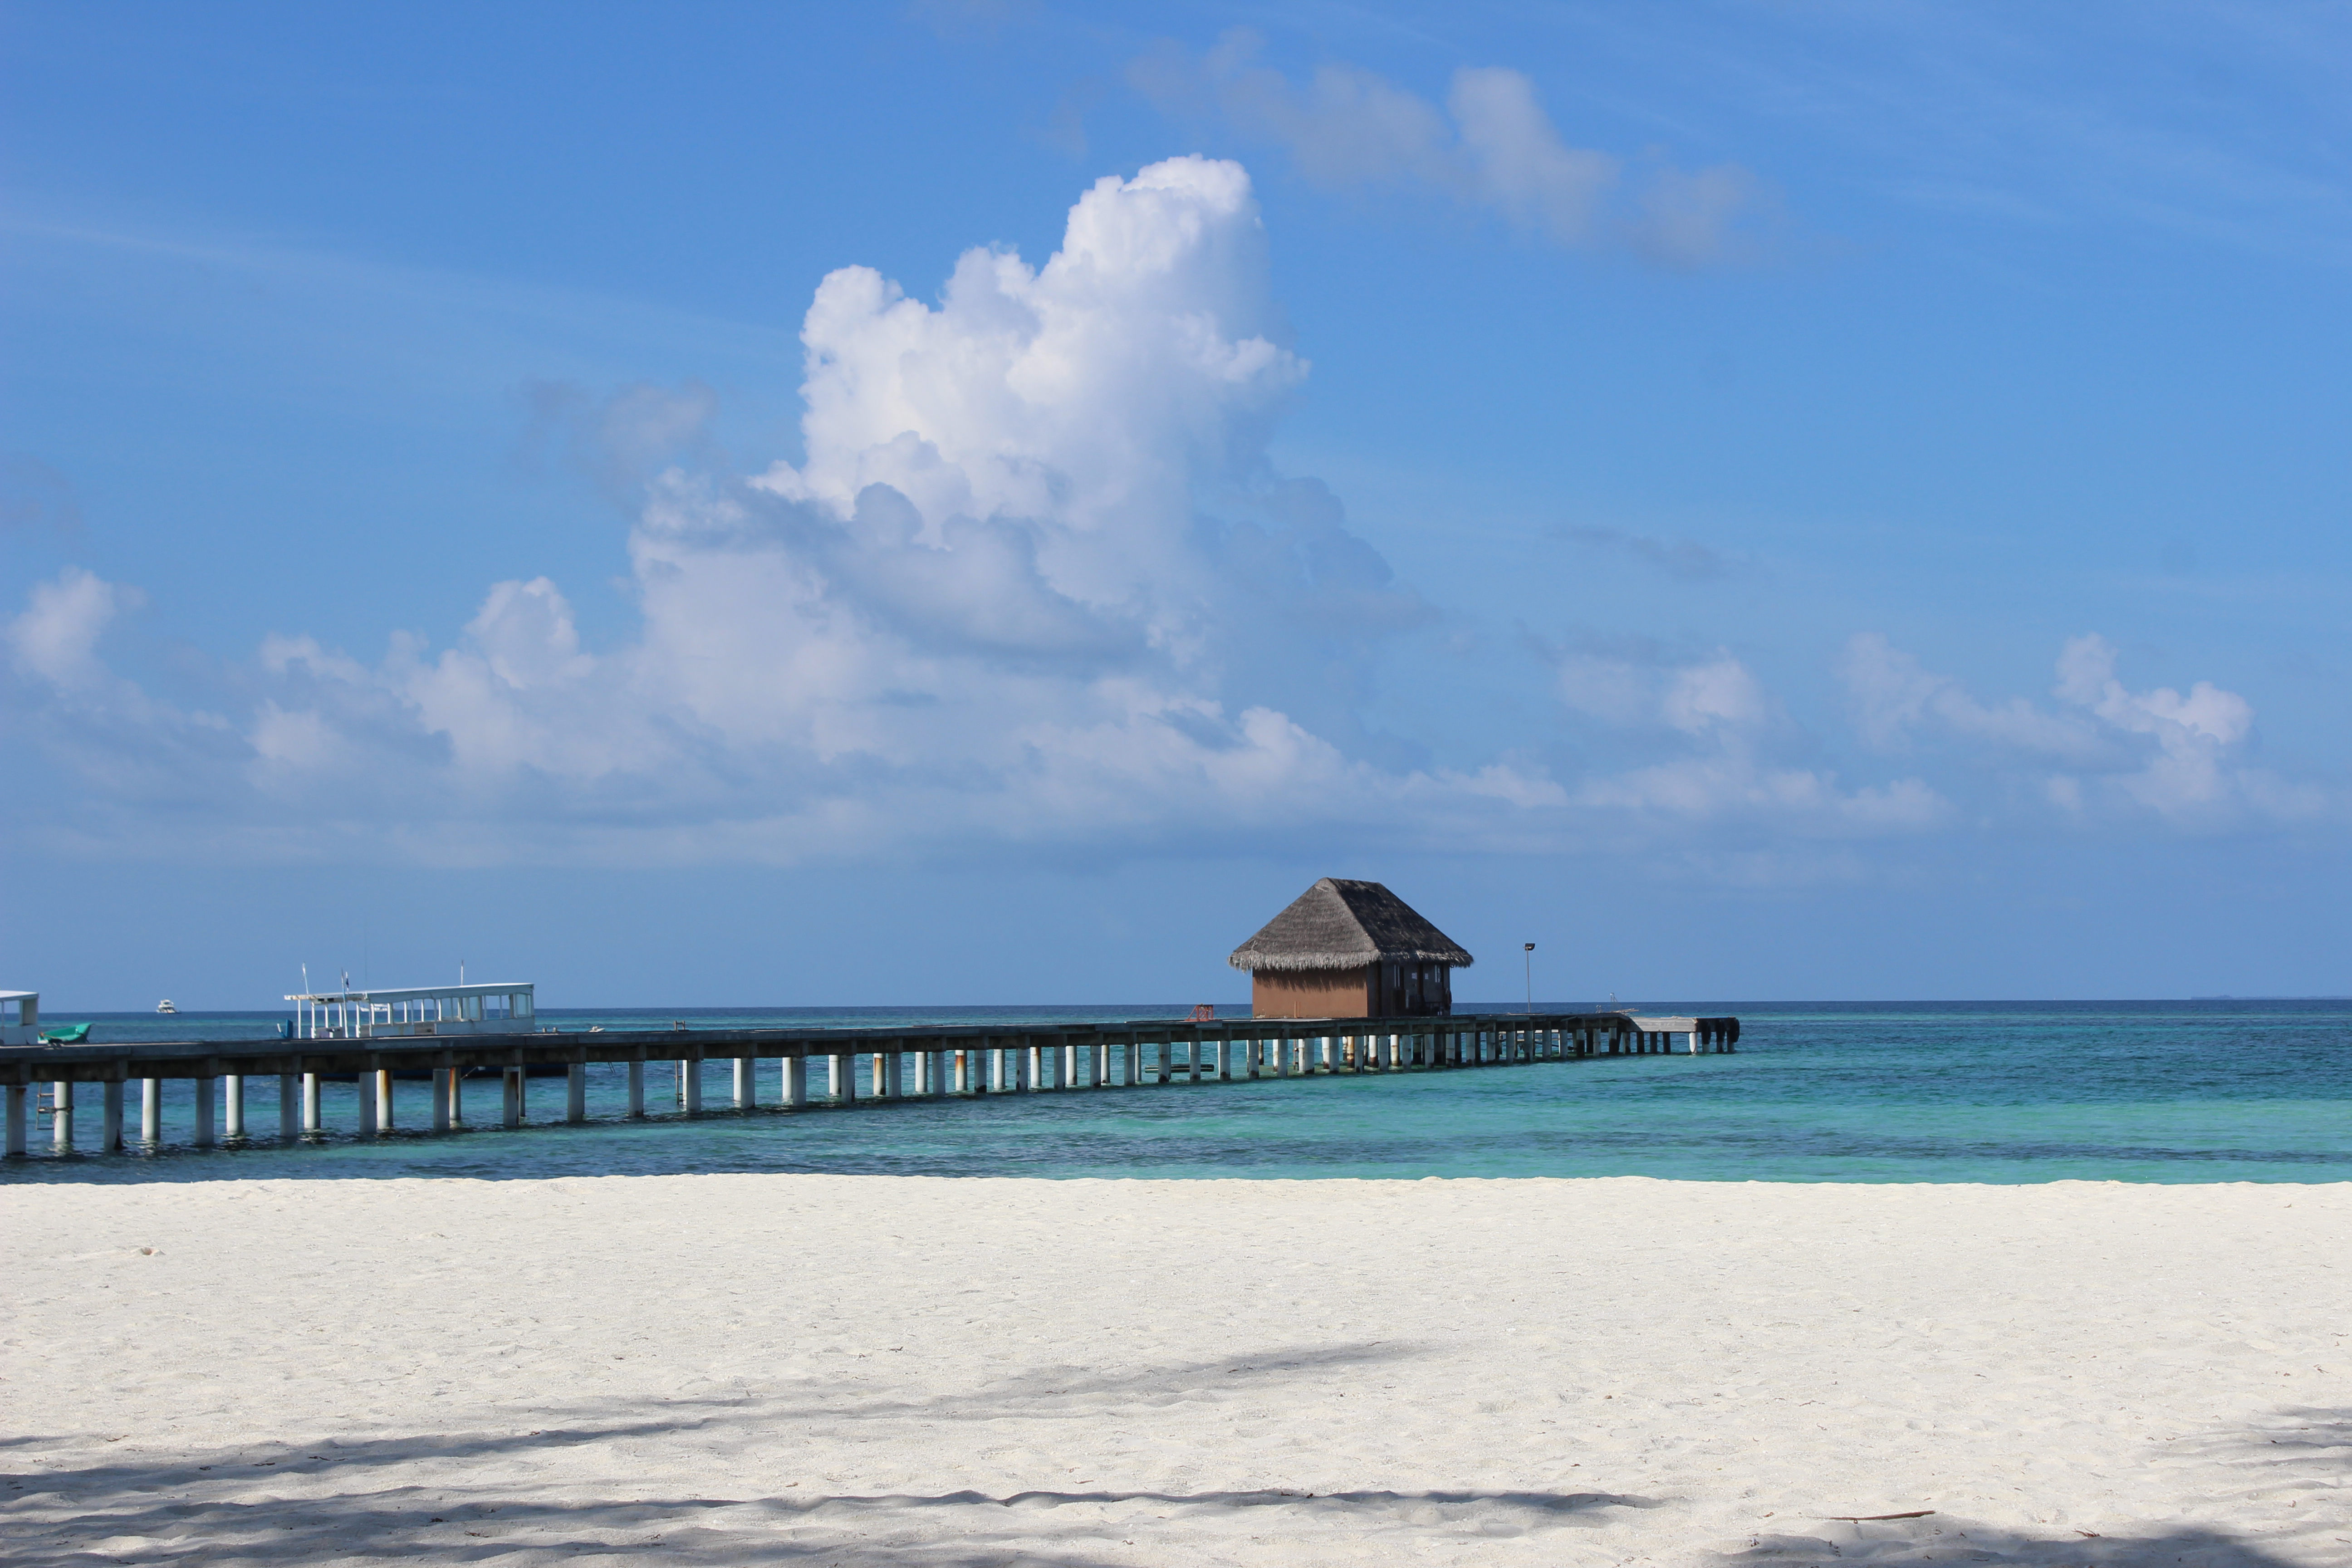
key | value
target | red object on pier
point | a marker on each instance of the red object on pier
(1206, 1013)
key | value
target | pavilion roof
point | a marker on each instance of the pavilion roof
(1342, 924)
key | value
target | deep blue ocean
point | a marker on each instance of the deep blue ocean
(1831, 1091)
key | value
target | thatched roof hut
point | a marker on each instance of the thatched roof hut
(1350, 950)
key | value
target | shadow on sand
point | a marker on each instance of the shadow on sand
(2299, 1447)
(516, 1497)
(463, 1497)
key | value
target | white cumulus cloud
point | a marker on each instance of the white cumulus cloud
(1033, 579)
(1491, 146)
(1730, 756)
(55, 638)
(2103, 747)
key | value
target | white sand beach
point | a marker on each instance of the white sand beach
(750, 1369)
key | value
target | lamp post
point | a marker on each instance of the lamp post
(1529, 958)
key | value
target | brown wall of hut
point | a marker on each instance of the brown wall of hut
(1311, 994)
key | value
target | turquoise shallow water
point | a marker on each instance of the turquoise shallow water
(2008, 1092)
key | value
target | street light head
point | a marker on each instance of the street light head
(1531, 947)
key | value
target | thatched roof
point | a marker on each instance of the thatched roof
(1337, 924)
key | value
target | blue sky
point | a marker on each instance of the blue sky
(810, 505)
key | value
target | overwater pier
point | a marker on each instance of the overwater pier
(51, 1089)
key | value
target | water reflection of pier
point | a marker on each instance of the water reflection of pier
(784, 1069)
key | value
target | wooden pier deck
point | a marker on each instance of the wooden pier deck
(856, 1064)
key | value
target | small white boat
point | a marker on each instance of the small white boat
(165, 1005)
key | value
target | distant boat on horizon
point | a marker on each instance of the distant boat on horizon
(165, 1005)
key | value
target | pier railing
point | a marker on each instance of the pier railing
(900, 1064)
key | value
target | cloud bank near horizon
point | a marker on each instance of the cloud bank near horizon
(1036, 586)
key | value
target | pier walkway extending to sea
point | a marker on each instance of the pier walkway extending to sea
(897, 1064)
